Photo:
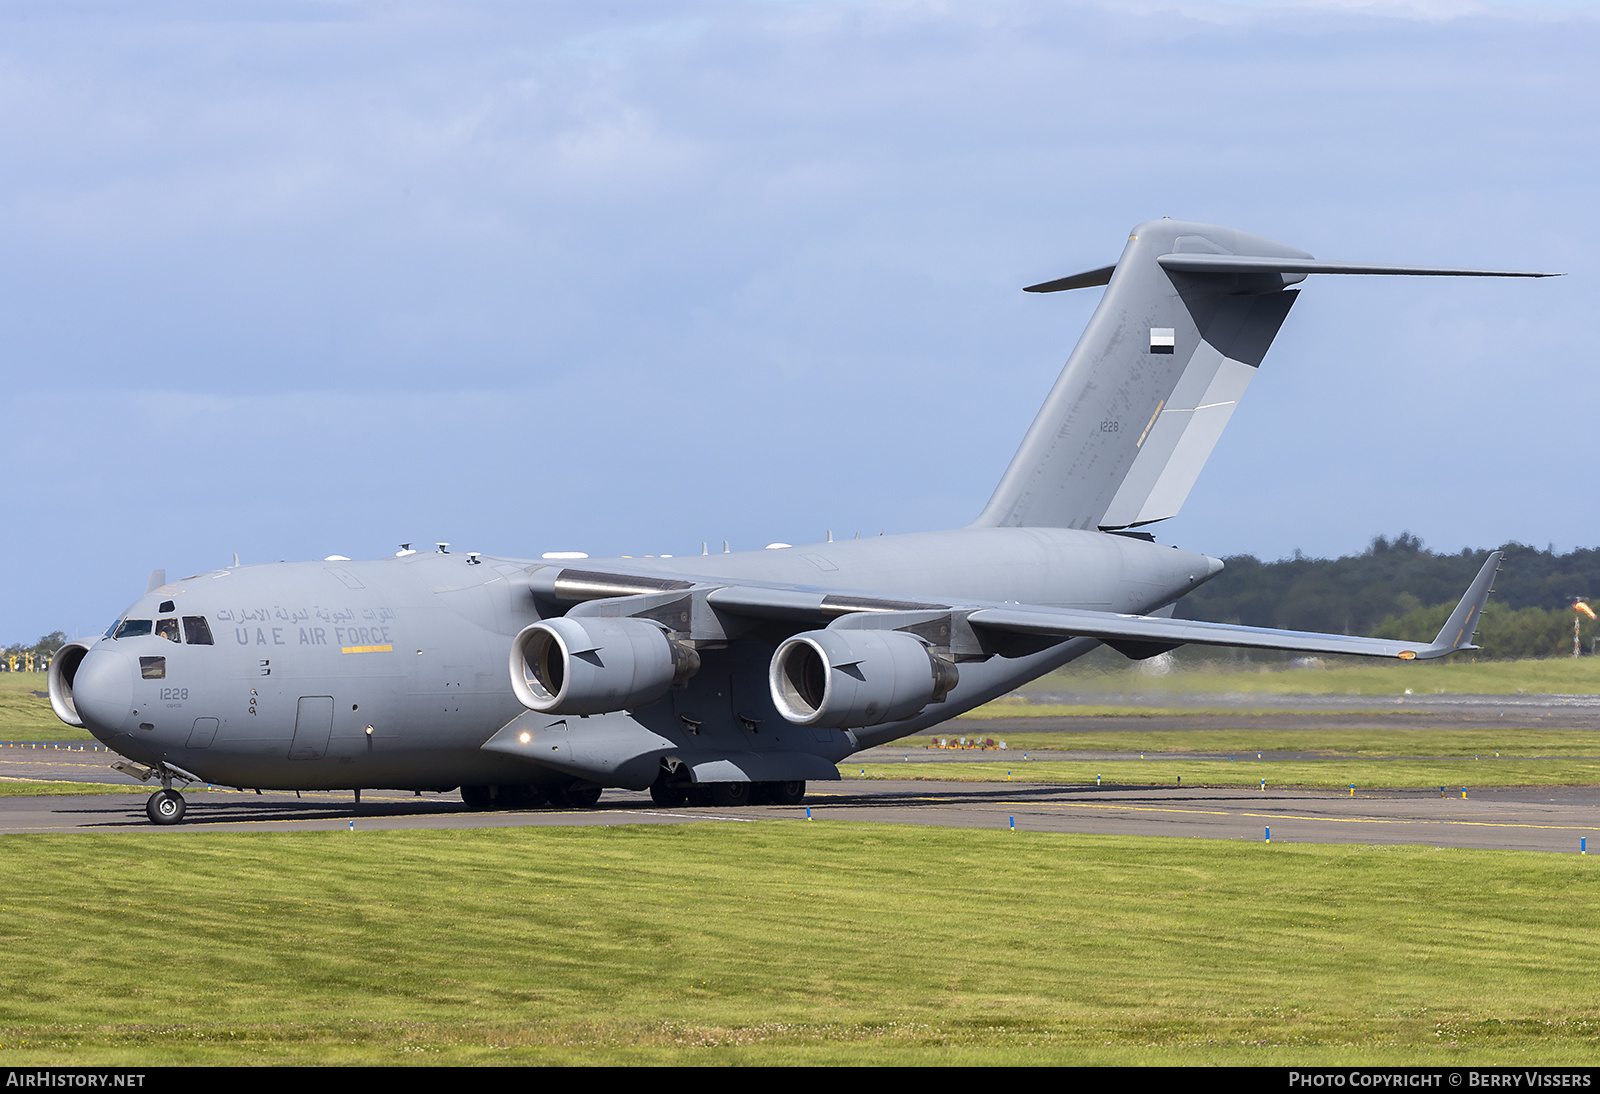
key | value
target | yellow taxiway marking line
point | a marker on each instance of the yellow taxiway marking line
(51, 763)
(1294, 816)
(690, 816)
(1047, 806)
(87, 782)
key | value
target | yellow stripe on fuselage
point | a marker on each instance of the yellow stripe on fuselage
(367, 649)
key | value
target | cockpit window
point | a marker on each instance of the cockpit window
(197, 630)
(133, 628)
(111, 629)
(168, 629)
(153, 668)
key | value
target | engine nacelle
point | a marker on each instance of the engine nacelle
(594, 666)
(63, 667)
(849, 679)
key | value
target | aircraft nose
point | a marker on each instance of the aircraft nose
(102, 690)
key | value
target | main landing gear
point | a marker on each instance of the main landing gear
(530, 797)
(786, 793)
(165, 807)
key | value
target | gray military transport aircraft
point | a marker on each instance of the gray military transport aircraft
(735, 677)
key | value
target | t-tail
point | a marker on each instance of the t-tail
(1188, 314)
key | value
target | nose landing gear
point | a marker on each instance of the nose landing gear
(165, 807)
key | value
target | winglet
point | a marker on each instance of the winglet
(1463, 622)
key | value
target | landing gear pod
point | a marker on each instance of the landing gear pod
(593, 666)
(850, 679)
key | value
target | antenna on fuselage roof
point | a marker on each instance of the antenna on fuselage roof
(235, 565)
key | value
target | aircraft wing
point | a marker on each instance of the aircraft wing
(1456, 635)
(802, 605)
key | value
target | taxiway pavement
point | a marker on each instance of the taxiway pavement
(1529, 818)
(1537, 819)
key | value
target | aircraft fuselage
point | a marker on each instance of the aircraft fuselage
(396, 672)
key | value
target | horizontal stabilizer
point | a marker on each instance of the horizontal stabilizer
(1250, 264)
(1110, 626)
(1086, 280)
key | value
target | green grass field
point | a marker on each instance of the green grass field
(1453, 675)
(788, 942)
(812, 942)
(1378, 758)
(1378, 741)
(25, 716)
(1396, 774)
(28, 788)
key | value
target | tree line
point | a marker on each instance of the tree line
(1399, 589)
(43, 649)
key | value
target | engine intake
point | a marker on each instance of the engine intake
(63, 668)
(848, 679)
(594, 666)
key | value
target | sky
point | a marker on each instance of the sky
(293, 279)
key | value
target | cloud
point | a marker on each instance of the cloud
(636, 275)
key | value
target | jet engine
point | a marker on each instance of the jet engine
(848, 679)
(594, 666)
(63, 667)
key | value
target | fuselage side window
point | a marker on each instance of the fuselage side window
(133, 628)
(168, 629)
(197, 630)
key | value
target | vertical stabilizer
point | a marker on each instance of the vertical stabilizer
(1152, 383)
